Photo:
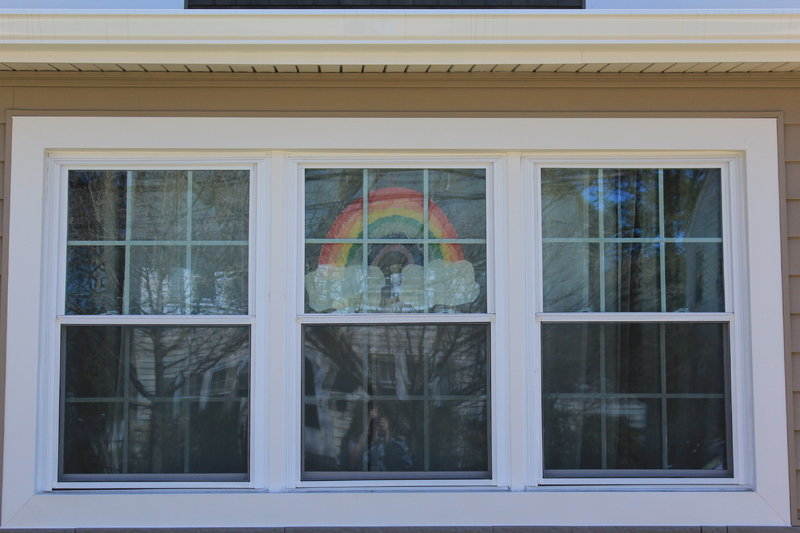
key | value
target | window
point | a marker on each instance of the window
(159, 398)
(641, 389)
(498, 321)
(408, 398)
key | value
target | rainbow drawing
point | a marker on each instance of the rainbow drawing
(340, 281)
(394, 212)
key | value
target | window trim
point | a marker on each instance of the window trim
(25, 504)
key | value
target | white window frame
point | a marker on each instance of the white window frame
(493, 166)
(733, 251)
(759, 496)
(54, 290)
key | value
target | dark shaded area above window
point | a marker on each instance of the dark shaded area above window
(385, 4)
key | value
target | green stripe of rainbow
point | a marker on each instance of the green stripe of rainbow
(390, 209)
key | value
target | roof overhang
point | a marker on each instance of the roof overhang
(404, 41)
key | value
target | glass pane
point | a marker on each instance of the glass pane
(396, 203)
(220, 205)
(94, 364)
(695, 357)
(219, 280)
(336, 280)
(695, 279)
(382, 401)
(97, 205)
(578, 430)
(601, 358)
(95, 278)
(571, 277)
(159, 205)
(570, 202)
(633, 433)
(459, 439)
(160, 280)
(408, 269)
(461, 193)
(630, 206)
(697, 434)
(145, 400)
(333, 203)
(91, 443)
(632, 277)
(693, 202)
(620, 396)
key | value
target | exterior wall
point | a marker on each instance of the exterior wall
(491, 95)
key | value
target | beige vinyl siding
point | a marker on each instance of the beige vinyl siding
(446, 94)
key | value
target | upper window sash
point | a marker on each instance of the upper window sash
(418, 244)
(644, 239)
(163, 240)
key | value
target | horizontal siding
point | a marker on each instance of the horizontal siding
(794, 299)
(792, 140)
(793, 217)
(793, 181)
(792, 176)
(794, 257)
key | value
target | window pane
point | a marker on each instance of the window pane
(396, 401)
(95, 278)
(461, 193)
(330, 193)
(158, 242)
(220, 205)
(632, 277)
(694, 277)
(139, 401)
(97, 205)
(160, 206)
(159, 280)
(635, 396)
(571, 277)
(632, 240)
(395, 204)
(693, 202)
(219, 280)
(570, 203)
(630, 202)
(420, 256)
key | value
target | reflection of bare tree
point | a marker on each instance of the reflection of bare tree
(96, 213)
(170, 363)
(156, 399)
(429, 380)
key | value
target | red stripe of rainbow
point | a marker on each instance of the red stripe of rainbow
(400, 205)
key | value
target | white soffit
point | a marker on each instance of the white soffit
(401, 41)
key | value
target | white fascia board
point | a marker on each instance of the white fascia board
(322, 37)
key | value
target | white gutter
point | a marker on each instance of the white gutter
(398, 37)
